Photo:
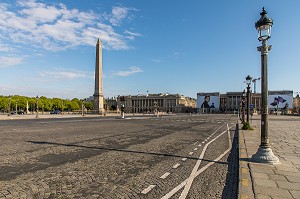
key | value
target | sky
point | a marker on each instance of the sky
(47, 48)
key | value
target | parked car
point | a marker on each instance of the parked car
(55, 112)
(21, 112)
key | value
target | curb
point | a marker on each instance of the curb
(245, 189)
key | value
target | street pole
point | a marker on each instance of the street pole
(264, 153)
(37, 106)
(248, 103)
(264, 49)
(243, 107)
(82, 111)
(9, 107)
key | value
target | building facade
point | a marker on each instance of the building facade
(231, 101)
(169, 103)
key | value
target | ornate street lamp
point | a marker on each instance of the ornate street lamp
(243, 106)
(248, 82)
(37, 106)
(264, 153)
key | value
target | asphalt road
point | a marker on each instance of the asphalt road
(187, 156)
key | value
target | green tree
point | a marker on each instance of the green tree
(4, 103)
(89, 105)
(56, 104)
(75, 104)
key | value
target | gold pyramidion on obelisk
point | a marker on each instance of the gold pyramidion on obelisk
(98, 94)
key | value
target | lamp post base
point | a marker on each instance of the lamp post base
(265, 155)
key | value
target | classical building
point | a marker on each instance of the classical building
(231, 101)
(111, 103)
(169, 103)
(98, 94)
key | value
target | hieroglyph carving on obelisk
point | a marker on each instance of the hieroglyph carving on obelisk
(98, 94)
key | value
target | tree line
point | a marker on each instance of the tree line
(10, 103)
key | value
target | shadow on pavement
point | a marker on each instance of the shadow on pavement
(230, 190)
(123, 150)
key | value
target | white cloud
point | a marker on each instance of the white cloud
(132, 35)
(55, 27)
(59, 73)
(10, 61)
(133, 70)
(156, 60)
(177, 55)
(118, 14)
(5, 48)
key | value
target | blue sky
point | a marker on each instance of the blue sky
(48, 47)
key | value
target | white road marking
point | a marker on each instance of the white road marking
(191, 153)
(182, 184)
(195, 149)
(199, 145)
(185, 182)
(195, 142)
(149, 188)
(203, 142)
(176, 166)
(184, 159)
(192, 175)
(165, 175)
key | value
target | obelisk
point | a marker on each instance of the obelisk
(98, 94)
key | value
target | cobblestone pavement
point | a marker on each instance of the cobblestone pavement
(139, 157)
(267, 181)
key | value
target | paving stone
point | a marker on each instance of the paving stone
(265, 183)
(273, 192)
(260, 169)
(261, 196)
(295, 194)
(277, 177)
(289, 185)
(290, 168)
(287, 173)
(293, 178)
(260, 175)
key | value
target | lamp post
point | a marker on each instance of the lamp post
(264, 153)
(243, 106)
(9, 113)
(82, 107)
(248, 82)
(16, 107)
(37, 106)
